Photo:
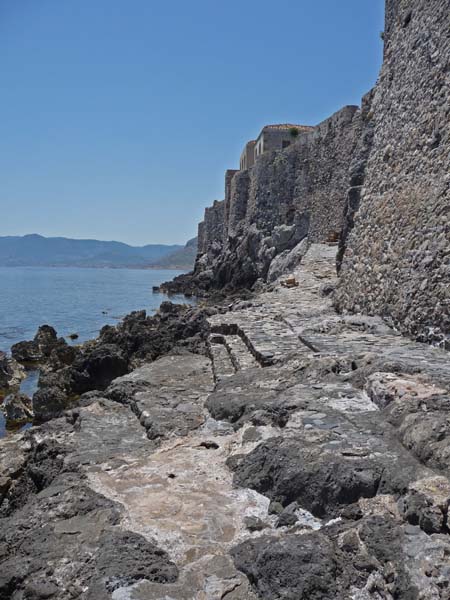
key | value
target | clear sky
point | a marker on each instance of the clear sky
(119, 117)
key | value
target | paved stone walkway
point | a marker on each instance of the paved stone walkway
(290, 322)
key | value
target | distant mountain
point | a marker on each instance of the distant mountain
(35, 250)
(182, 259)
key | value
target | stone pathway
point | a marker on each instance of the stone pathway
(299, 320)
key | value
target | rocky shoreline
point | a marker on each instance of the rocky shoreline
(270, 449)
(284, 439)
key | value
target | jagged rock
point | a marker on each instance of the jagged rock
(98, 368)
(11, 373)
(46, 338)
(70, 524)
(26, 352)
(254, 524)
(295, 567)
(288, 517)
(49, 403)
(38, 349)
(18, 409)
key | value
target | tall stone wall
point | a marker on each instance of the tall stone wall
(214, 227)
(284, 197)
(396, 257)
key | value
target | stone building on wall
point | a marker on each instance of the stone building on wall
(277, 137)
(248, 156)
(272, 137)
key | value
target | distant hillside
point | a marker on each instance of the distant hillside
(182, 259)
(35, 250)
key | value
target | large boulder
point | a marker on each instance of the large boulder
(287, 261)
(46, 338)
(293, 568)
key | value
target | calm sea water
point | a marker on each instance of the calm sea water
(72, 300)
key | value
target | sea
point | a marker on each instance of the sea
(73, 301)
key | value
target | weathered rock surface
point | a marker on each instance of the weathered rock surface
(38, 349)
(11, 374)
(68, 372)
(18, 409)
(396, 261)
(273, 449)
(305, 456)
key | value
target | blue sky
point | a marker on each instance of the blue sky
(119, 117)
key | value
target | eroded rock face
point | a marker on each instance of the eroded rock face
(65, 543)
(372, 558)
(38, 349)
(18, 409)
(11, 373)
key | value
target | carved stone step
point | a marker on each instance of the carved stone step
(241, 357)
(221, 361)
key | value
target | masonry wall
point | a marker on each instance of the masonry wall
(396, 260)
(287, 195)
(307, 180)
(213, 227)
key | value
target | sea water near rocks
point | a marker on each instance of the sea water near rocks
(72, 300)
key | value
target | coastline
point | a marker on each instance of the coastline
(277, 427)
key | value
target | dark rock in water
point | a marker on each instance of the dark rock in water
(26, 352)
(4, 371)
(62, 355)
(18, 409)
(49, 403)
(38, 349)
(70, 371)
(73, 336)
(46, 338)
(169, 308)
(11, 373)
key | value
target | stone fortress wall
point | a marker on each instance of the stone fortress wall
(287, 195)
(397, 256)
(376, 176)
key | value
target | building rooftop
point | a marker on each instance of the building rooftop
(288, 126)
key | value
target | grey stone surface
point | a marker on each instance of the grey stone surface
(396, 261)
(308, 458)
